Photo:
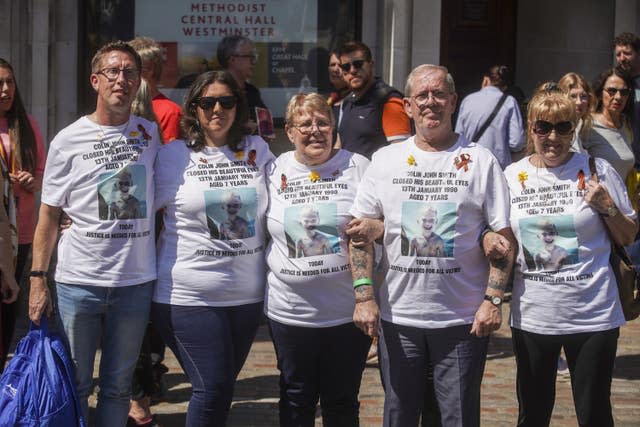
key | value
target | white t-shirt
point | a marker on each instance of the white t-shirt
(435, 205)
(102, 176)
(563, 282)
(211, 249)
(309, 282)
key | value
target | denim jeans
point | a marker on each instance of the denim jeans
(319, 363)
(458, 360)
(211, 344)
(115, 318)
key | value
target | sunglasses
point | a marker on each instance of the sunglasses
(208, 102)
(612, 91)
(544, 128)
(357, 64)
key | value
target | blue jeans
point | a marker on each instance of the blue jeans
(211, 344)
(116, 318)
(324, 363)
(458, 360)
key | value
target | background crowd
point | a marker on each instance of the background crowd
(382, 232)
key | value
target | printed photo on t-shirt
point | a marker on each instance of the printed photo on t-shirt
(122, 195)
(231, 214)
(549, 243)
(428, 229)
(311, 230)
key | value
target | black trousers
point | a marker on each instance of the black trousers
(590, 357)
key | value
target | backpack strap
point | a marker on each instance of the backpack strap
(492, 116)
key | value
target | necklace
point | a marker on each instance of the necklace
(114, 144)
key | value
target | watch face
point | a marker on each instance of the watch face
(496, 300)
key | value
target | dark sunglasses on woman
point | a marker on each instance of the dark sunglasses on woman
(612, 91)
(544, 128)
(208, 102)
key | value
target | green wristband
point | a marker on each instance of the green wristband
(362, 282)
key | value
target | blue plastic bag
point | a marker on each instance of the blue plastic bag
(37, 389)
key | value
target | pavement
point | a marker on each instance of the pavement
(255, 401)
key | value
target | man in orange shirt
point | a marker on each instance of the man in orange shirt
(168, 112)
(372, 115)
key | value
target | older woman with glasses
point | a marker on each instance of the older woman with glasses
(210, 288)
(611, 137)
(309, 302)
(564, 292)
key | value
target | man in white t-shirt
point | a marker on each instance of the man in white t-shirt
(106, 262)
(436, 309)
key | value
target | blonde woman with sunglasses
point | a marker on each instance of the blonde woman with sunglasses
(573, 304)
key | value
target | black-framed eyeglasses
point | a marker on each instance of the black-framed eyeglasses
(613, 90)
(357, 64)
(544, 128)
(124, 183)
(208, 102)
(308, 128)
(112, 73)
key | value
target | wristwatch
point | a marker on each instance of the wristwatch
(612, 211)
(495, 300)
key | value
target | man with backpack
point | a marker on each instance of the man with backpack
(372, 115)
(106, 266)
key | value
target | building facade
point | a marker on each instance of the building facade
(50, 43)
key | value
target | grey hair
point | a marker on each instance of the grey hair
(425, 68)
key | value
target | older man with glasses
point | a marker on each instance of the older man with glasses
(372, 115)
(106, 263)
(434, 309)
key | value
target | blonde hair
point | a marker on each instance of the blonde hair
(550, 105)
(573, 81)
(150, 51)
(307, 102)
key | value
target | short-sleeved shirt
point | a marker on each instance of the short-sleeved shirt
(563, 283)
(454, 194)
(168, 114)
(211, 250)
(102, 177)
(309, 281)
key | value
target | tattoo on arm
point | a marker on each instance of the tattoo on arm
(361, 262)
(361, 268)
(500, 270)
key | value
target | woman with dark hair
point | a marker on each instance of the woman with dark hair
(612, 135)
(211, 281)
(22, 150)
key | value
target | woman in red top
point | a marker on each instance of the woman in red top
(22, 150)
